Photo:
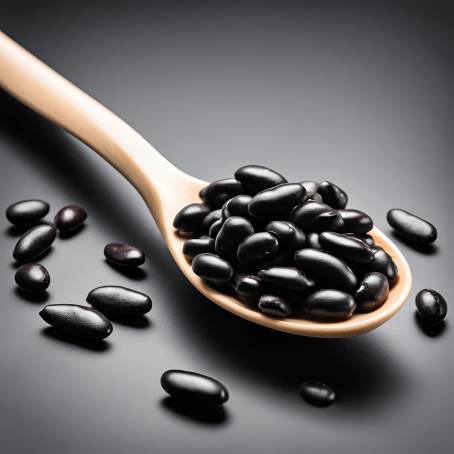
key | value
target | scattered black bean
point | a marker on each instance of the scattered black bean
(257, 178)
(314, 216)
(286, 277)
(275, 306)
(194, 388)
(346, 248)
(70, 218)
(218, 192)
(196, 246)
(34, 242)
(372, 292)
(257, 248)
(329, 305)
(289, 236)
(332, 195)
(412, 227)
(233, 230)
(212, 268)
(32, 278)
(124, 255)
(190, 218)
(355, 221)
(431, 305)
(27, 212)
(113, 298)
(317, 393)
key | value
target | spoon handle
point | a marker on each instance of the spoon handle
(42, 89)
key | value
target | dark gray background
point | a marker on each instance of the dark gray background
(356, 92)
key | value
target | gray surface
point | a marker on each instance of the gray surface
(358, 94)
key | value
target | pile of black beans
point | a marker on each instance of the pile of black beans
(288, 249)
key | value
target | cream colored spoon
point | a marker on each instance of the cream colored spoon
(164, 188)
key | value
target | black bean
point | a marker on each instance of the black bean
(312, 241)
(70, 218)
(329, 305)
(288, 235)
(412, 227)
(218, 192)
(383, 263)
(212, 268)
(314, 216)
(317, 393)
(326, 270)
(230, 235)
(365, 238)
(431, 305)
(332, 195)
(34, 242)
(276, 202)
(355, 221)
(77, 320)
(196, 246)
(27, 212)
(32, 277)
(190, 218)
(215, 228)
(314, 198)
(194, 388)
(117, 299)
(346, 248)
(286, 277)
(257, 178)
(237, 206)
(256, 248)
(274, 305)
(211, 218)
(372, 292)
(124, 255)
(247, 285)
(311, 189)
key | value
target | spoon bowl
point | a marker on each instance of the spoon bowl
(164, 188)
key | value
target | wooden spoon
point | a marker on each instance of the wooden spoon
(164, 188)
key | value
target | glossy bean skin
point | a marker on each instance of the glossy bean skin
(355, 221)
(197, 246)
(314, 216)
(412, 227)
(332, 195)
(257, 248)
(32, 278)
(118, 299)
(289, 236)
(237, 206)
(431, 306)
(189, 220)
(70, 218)
(194, 388)
(215, 228)
(77, 320)
(311, 189)
(317, 393)
(383, 263)
(258, 178)
(372, 292)
(34, 242)
(213, 268)
(286, 277)
(365, 238)
(313, 241)
(247, 284)
(27, 212)
(211, 218)
(274, 305)
(218, 192)
(124, 255)
(346, 248)
(326, 270)
(329, 305)
(232, 232)
(276, 202)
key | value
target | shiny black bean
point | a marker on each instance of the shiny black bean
(326, 270)
(276, 202)
(286, 277)
(365, 238)
(317, 393)
(315, 198)
(194, 388)
(70, 218)
(332, 195)
(196, 246)
(312, 241)
(288, 235)
(412, 227)
(257, 247)
(329, 305)
(372, 292)
(215, 228)
(346, 248)
(237, 206)
(274, 305)
(311, 189)
(211, 218)
(190, 218)
(431, 305)
(212, 268)
(232, 232)
(27, 212)
(32, 278)
(355, 221)
(314, 216)
(383, 263)
(124, 255)
(218, 192)
(257, 178)
(77, 320)
(117, 299)
(34, 243)
(247, 285)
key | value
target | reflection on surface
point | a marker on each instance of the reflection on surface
(66, 338)
(428, 328)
